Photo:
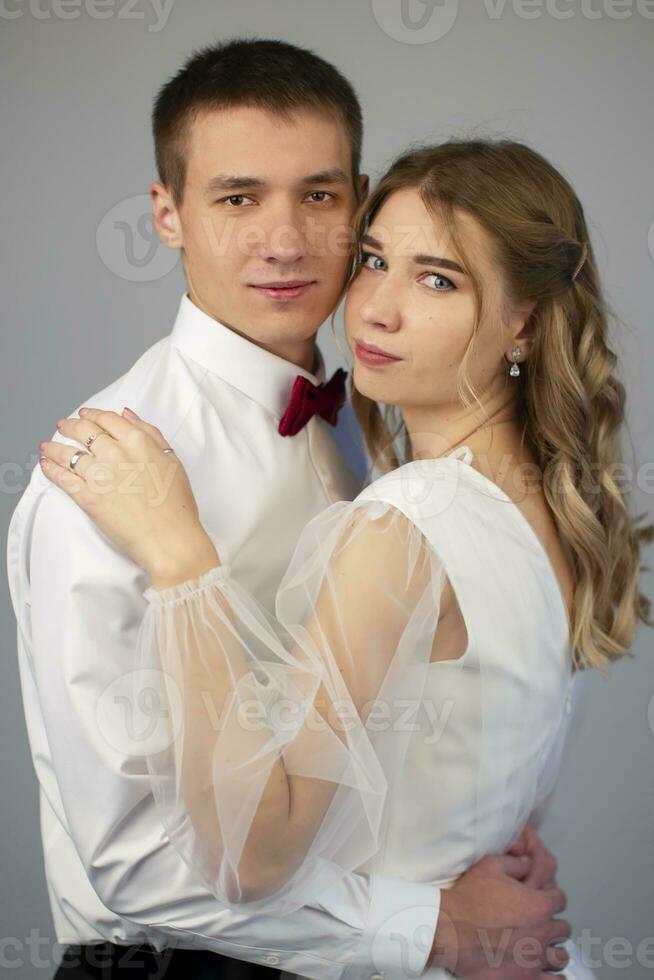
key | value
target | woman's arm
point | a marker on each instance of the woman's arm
(269, 731)
(256, 807)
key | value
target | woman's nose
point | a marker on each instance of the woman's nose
(381, 312)
(381, 303)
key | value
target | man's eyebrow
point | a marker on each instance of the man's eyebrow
(332, 176)
(231, 182)
(418, 259)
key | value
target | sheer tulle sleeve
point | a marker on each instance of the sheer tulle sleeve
(271, 778)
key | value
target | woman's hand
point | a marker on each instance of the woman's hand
(136, 494)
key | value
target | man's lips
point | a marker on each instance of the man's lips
(370, 354)
(284, 289)
(282, 284)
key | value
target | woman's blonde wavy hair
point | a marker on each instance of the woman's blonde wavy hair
(571, 404)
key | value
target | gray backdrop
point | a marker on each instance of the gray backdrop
(85, 291)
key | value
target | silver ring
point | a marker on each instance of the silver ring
(74, 459)
(94, 436)
(169, 450)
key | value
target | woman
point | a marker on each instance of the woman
(405, 711)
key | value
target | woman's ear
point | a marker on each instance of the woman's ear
(526, 333)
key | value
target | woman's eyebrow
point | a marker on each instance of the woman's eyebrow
(418, 259)
(436, 260)
(369, 240)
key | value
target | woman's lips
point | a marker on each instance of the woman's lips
(373, 357)
(285, 292)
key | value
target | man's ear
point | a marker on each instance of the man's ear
(364, 187)
(165, 216)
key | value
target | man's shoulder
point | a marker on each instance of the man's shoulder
(136, 381)
(143, 383)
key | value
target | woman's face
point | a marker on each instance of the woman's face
(413, 301)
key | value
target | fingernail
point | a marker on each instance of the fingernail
(82, 411)
(128, 411)
(60, 422)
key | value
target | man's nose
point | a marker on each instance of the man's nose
(283, 237)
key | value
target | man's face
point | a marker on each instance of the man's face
(267, 201)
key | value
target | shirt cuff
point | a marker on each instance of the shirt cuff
(399, 933)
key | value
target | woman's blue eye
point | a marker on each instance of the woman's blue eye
(365, 262)
(437, 275)
(369, 255)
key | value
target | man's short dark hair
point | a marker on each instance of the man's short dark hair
(268, 74)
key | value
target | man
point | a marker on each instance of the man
(257, 146)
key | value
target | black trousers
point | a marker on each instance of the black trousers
(107, 961)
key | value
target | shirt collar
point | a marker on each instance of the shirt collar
(258, 373)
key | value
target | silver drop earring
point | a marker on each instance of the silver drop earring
(515, 370)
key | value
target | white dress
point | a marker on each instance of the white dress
(413, 743)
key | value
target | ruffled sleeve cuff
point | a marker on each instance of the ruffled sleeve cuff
(183, 591)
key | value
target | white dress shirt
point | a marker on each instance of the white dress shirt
(111, 872)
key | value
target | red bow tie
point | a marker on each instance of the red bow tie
(308, 399)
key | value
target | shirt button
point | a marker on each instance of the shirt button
(274, 960)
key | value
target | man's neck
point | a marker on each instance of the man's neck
(303, 354)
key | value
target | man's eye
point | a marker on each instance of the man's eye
(365, 256)
(235, 200)
(323, 195)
